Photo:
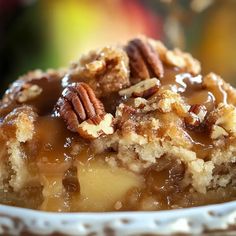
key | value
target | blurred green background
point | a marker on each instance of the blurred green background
(51, 33)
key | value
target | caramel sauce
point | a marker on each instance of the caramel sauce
(202, 144)
(164, 185)
(55, 140)
(55, 161)
(203, 97)
(60, 167)
(219, 93)
(180, 82)
(51, 91)
(191, 89)
(188, 86)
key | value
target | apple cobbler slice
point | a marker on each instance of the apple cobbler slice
(135, 127)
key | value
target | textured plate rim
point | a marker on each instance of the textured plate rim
(196, 220)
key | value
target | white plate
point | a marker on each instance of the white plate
(207, 219)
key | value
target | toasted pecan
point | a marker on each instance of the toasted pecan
(144, 60)
(144, 89)
(197, 114)
(79, 104)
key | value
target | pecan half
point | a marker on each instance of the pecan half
(143, 60)
(145, 89)
(78, 104)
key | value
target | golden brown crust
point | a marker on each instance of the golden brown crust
(105, 71)
(18, 128)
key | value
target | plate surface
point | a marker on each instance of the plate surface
(207, 220)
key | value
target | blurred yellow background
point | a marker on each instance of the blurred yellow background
(74, 27)
(50, 34)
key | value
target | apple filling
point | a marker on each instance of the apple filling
(123, 129)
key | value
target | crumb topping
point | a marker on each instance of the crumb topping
(105, 70)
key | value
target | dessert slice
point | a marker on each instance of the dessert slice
(135, 127)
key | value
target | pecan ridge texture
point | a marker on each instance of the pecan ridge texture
(77, 104)
(144, 61)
